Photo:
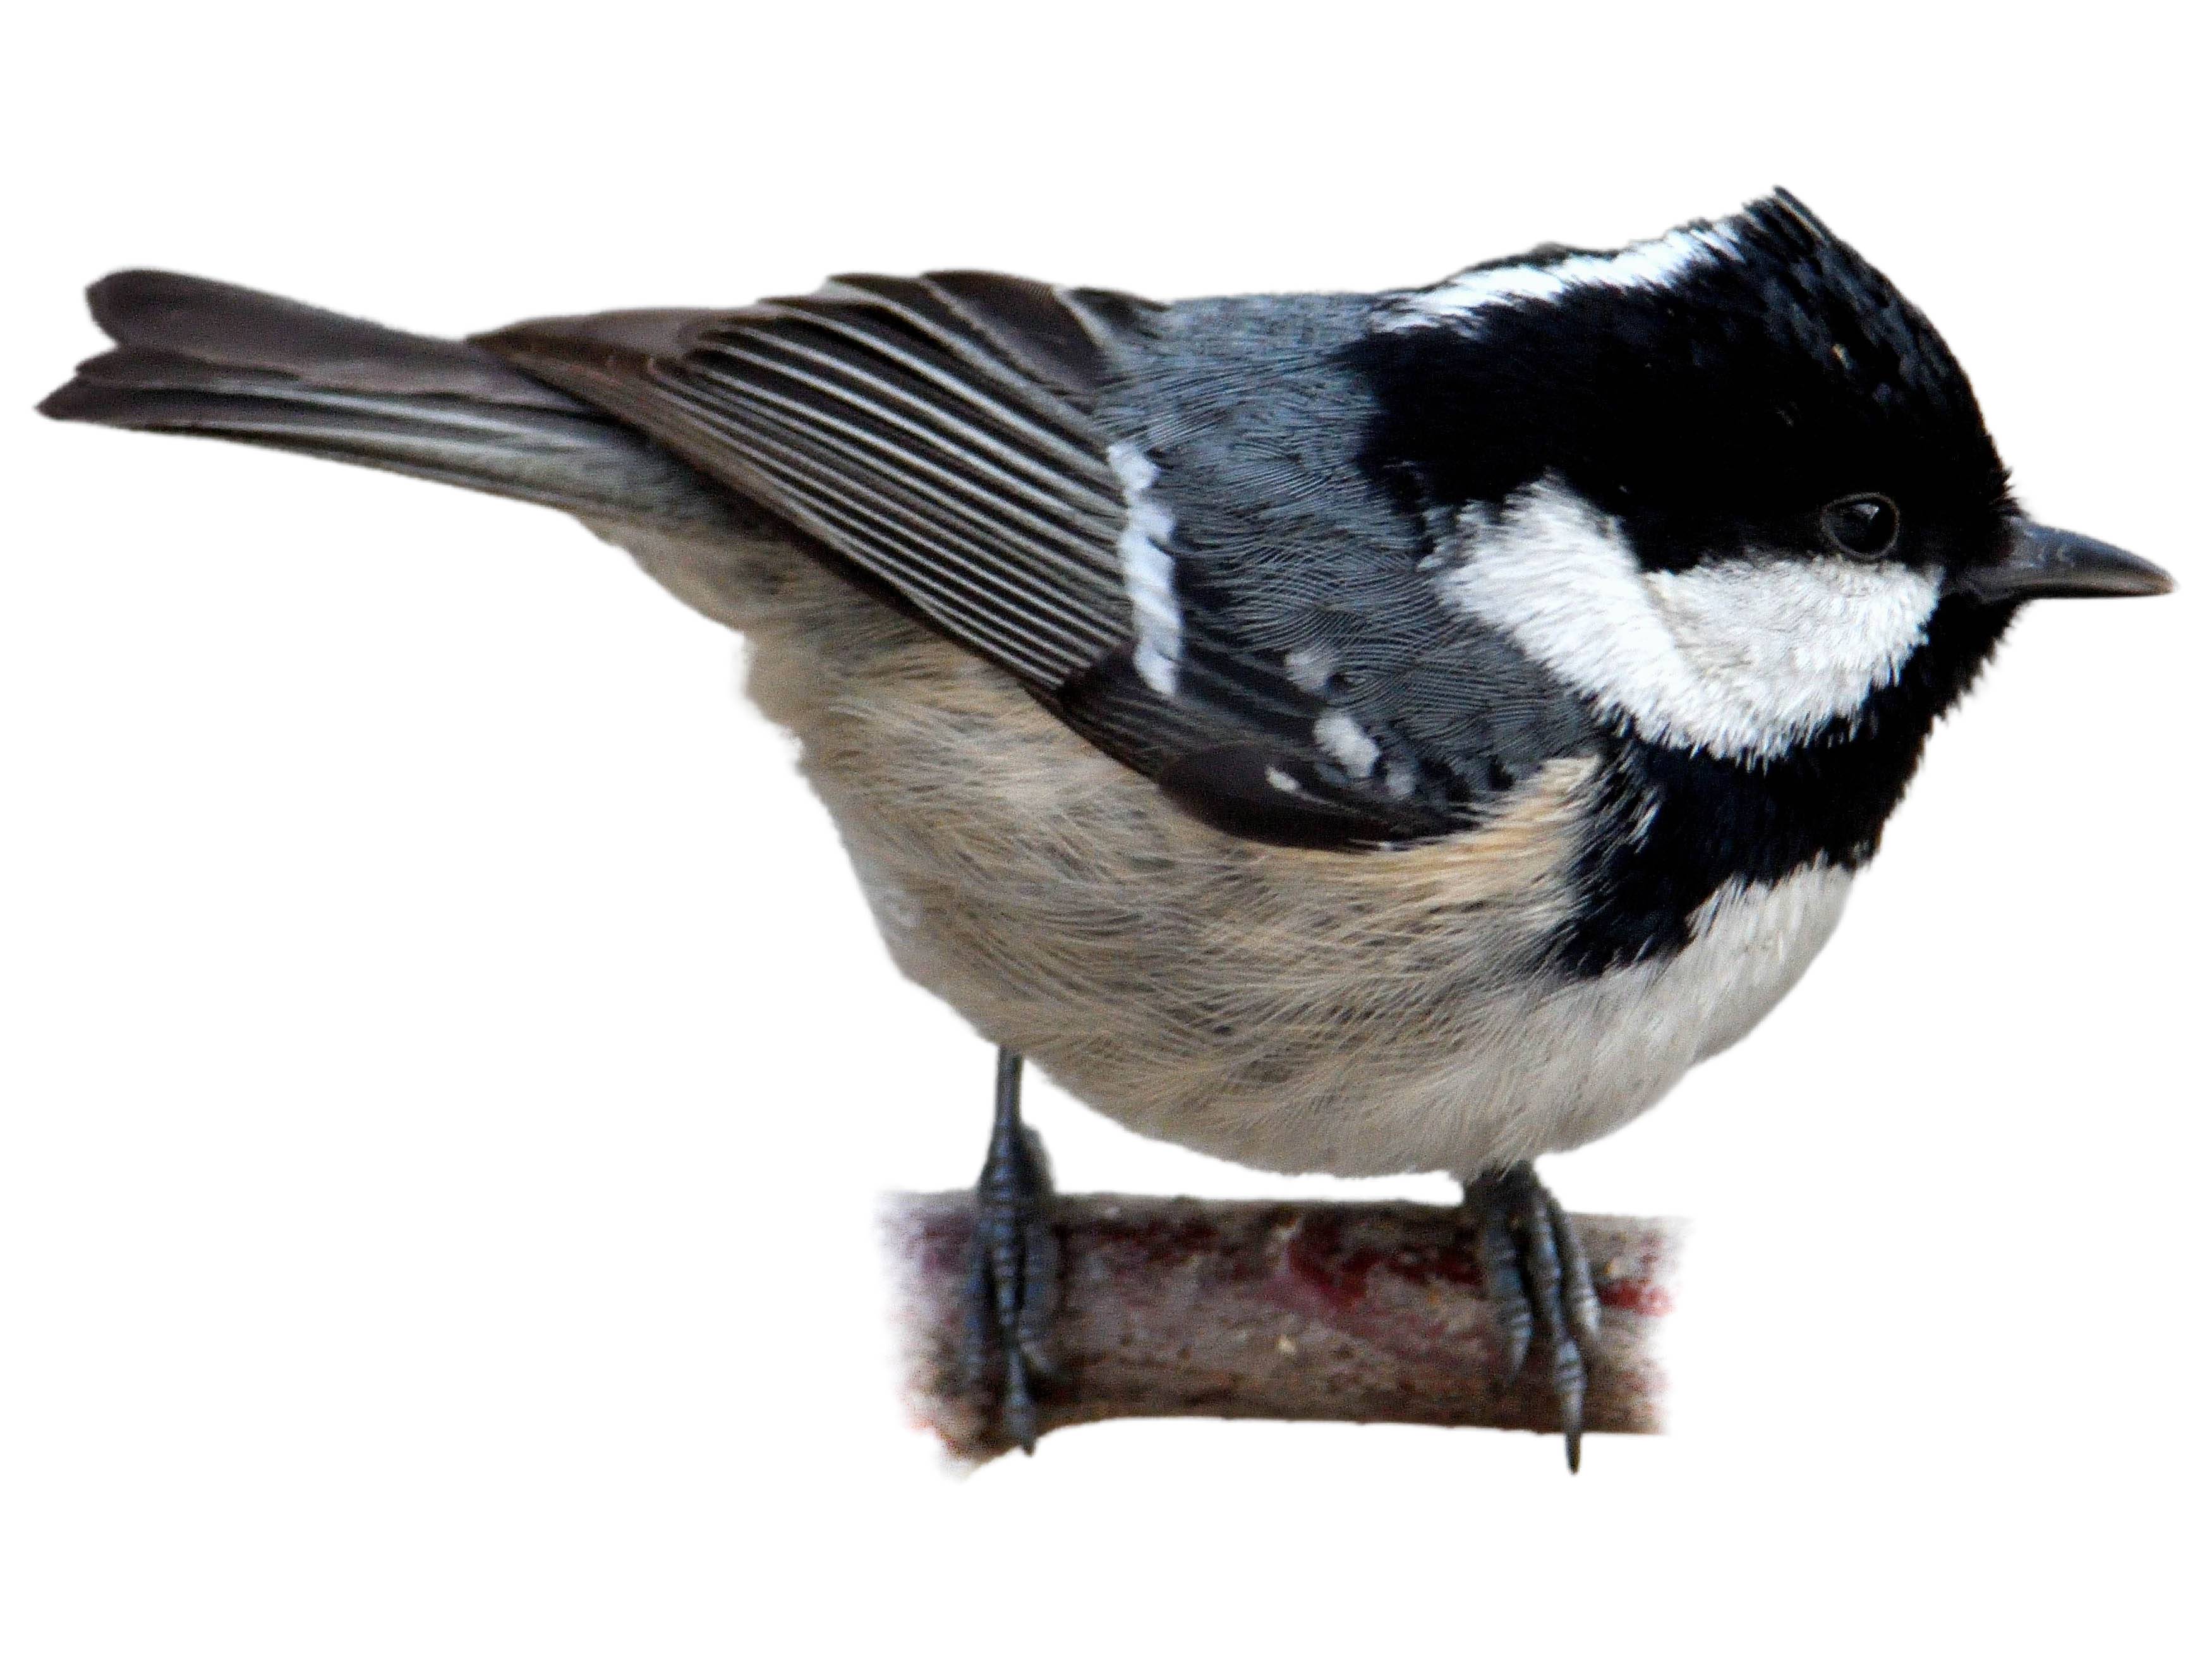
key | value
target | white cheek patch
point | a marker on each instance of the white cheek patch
(1148, 570)
(1739, 657)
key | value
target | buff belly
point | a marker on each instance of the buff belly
(1359, 1013)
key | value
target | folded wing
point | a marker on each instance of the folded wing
(939, 437)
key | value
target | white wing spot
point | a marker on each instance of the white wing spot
(1345, 742)
(1309, 666)
(1148, 570)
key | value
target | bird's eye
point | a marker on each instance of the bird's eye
(1864, 526)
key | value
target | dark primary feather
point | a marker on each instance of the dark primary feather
(898, 435)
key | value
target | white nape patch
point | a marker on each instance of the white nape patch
(1148, 570)
(1345, 741)
(1653, 264)
(1742, 657)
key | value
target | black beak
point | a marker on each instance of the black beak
(2043, 563)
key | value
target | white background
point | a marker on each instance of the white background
(448, 1070)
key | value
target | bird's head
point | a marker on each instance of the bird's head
(1729, 484)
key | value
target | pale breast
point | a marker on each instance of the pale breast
(1359, 1013)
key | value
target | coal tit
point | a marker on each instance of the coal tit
(1344, 732)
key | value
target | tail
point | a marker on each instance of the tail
(207, 358)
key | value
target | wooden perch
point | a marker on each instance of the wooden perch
(1359, 1313)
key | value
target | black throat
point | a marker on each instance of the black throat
(1674, 826)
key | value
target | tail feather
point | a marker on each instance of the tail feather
(214, 360)
(221, 324)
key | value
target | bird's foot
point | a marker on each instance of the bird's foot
(1537, 1275)
(1013, 1285)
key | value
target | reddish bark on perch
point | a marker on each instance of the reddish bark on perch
(1361, 1313)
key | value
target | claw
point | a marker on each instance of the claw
(1538, 1274)
(1580, 1287)
(1501, 1274)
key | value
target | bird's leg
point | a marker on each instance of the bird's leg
(1014, 1284)
(1537, 1276)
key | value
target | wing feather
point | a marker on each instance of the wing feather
(955, 578)
(962, 459)
(938, 436)
(983, 496)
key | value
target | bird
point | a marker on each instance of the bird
(1356, 732)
